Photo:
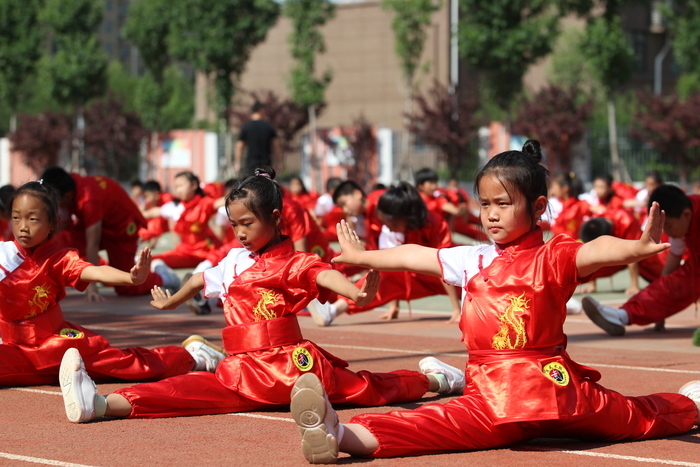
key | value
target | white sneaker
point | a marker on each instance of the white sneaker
(317, 421)
(453, 377)
(207, 356)
(691, 390)
(321, 313)
(79, 391)
(573, 307)
(607, 318)
(170, 279)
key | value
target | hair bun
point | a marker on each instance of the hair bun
(532, 149)
(265, 171)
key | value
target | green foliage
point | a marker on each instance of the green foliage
(166, 106)
(569, 65)
(688, 84)
(306, 40)
(218, 36)
(20, 42)
(77, 71)
(503, 37)
(122, 84)
(177, 111)
(411, 18)
(608, 52)
(147, 26)
(71, 17)
(684, 27)
(696, 338)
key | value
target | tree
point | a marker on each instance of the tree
(40, 137)
(77, 72)
(447, 121)
(305, 41)
(611, 58)
(217, 38)
(410, 22)
(113, 137)
(20, 42)
(555, 117)
(672, 127)
(502, 38)
(684, 28)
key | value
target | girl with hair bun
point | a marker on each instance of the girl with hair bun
(521, 383)
(263, 285)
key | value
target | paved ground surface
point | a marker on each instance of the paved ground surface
(33, 427)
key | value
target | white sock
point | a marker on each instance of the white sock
(624, 317)
(333, 311)
(341, 433)
(100, 406)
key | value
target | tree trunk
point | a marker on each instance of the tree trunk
(13, 122)
(405, 160)
(619, 172)
(315, 160)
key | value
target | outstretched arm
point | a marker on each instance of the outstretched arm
(164, 301)
(611, 251)
(409, 257)
(335, 281)
(113, 276)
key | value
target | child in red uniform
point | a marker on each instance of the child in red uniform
(679, 286)
(360, 210)
(107, 219)
(521, 382)
(191, 222)
(406, 217)
(606, 198)
(567, 188)
(6, 193)
(153, 196)
(34, 273)
(263, 286)
(620, 223)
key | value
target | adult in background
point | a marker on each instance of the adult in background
(259, 139)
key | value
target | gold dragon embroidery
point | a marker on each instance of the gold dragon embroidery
(510, 321)
(40, 302)
(261, 310)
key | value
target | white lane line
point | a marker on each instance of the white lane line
(37, 391)
(38, 460)
(648, 460)
(264, 417)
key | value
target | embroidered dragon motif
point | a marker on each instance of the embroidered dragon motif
(40, 302)
(261, 310)
(512, 322)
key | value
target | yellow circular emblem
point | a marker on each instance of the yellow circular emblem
(302, 359)
(69, 333)
(557, 373)
(318, 250)
(131, 228)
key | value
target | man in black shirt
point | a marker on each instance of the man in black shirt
(259, 137)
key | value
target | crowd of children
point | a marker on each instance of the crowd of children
(261, 251)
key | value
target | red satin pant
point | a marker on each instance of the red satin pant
(201, 393)
(463, 424)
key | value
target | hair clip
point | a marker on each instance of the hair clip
(263, 174)
(41, 181)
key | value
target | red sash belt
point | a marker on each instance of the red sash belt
(33, 330)
(479, 357)
(261, 335)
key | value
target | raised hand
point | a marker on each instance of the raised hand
(350, 244)
(368, 289)
(160, 298)
(650, 242)
(142, 267)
